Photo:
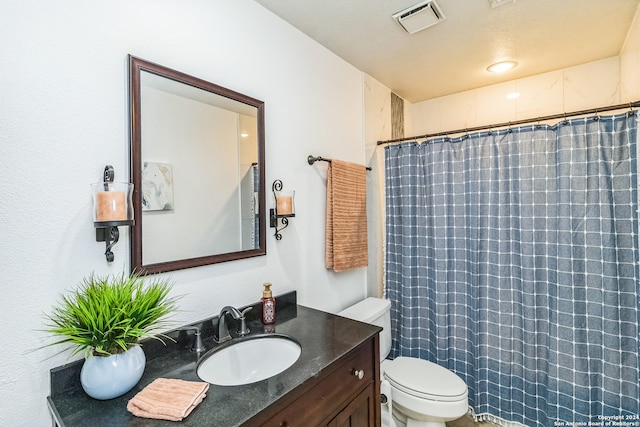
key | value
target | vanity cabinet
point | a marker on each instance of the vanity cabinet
(345, 394)
(320, 389)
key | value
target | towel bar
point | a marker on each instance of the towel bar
(312, 159)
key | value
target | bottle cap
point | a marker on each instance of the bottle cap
(267, 290)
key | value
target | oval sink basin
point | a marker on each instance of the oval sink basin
(248, 360)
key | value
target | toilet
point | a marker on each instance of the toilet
(423, 394)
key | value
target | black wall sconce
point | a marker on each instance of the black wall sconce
(112, 207)
(284, 208)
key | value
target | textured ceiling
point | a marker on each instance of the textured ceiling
(452, 56)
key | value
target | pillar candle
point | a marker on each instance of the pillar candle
(284, 205)
(111, 206)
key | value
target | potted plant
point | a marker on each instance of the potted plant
(105, 318)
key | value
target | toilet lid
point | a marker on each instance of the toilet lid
(425, 379)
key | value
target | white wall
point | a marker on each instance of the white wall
(181, 135)
(63, 116)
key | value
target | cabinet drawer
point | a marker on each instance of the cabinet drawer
(332, 393)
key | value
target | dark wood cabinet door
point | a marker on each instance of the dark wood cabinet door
(360, 412)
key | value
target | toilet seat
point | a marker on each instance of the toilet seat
(424, 379)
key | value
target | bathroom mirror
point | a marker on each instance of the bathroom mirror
(197, 165)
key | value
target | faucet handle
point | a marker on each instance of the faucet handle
(243, 329)
(198, 347)
(197, 337)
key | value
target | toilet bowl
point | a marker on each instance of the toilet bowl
(423, 394)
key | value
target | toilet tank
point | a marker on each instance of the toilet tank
(376, 311)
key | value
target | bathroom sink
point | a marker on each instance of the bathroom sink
(248, 360)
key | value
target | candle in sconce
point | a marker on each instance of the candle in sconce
(284, 203)
(111, 206)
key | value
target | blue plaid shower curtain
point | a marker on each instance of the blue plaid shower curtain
(512, 260)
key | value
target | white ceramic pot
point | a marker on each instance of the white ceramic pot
(108, 377)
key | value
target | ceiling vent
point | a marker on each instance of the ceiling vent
(497, 3)
(420, 16)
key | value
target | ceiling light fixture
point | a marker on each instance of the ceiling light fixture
(420, 16)
(501, 67)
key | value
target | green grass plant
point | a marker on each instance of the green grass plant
(107, 315)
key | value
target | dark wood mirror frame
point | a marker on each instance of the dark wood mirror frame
(136, 66)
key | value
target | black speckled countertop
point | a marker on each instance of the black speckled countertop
(324, 338)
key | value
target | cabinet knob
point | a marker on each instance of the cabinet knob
(358, 373)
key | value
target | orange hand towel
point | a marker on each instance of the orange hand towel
(346, 225)
(168, 399)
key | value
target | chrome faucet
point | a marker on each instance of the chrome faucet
(223, 331)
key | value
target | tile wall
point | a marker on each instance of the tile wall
(590, 85)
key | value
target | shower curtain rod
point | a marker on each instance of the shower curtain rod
(629, 105)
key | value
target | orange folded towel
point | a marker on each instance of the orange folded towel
(168, 399)
(346, 222)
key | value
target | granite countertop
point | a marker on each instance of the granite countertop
(324, 338)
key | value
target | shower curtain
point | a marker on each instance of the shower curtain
(512, 260)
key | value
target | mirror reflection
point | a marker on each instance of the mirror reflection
(197, 168)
